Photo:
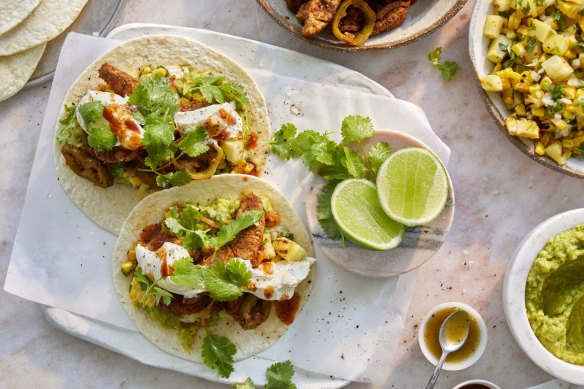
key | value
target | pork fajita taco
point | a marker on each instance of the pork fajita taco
(152, 113)
(227, 256)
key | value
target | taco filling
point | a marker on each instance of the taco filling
(231, 257)
(165, 127)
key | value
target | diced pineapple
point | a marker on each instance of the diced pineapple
(570, 8)
(523, 128)
(556, 44)
(491, 83)
(554, 151)
(542, 30)
(498, 49)
(493, 25)
(234, 150)
(289, 250)
(504, 5)
(557, 68)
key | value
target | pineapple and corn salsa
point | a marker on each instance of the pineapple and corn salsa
(537, 47)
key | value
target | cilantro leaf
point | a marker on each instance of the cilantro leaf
(354, 163)
(187, 273)
(280, 144)
(161, 294)
(235, 272)
(356, 128)
(70, 123)
(195, 240)
(248, 384)
(229, 231)
(173, 179)
(234, 92)
(324, 212)
(227, 282)
(447, 68)
(308, 144)
(189, 217)
(159, 139)
(99, 134)
(324, 152)
(217, 353)
(154, 95)
(279, 376)
(224, 282)
(378, 153)
(195, 142)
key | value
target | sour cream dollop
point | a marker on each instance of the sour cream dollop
(278, 280)
(159, 262)
(215, 119)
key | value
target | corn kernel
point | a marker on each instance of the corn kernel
(520, 110)
(538, 111)
(569, 115)
(160, 72)
(132, 254)
(539, 148)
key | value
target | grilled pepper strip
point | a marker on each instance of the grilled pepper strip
(367, 29)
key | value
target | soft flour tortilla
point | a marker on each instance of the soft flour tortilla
(151, 210)
(15, 70)
(13, 12)
(109, 207)
(48, 20)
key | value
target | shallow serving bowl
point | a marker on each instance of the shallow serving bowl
(514, 296)
(418, 244)
(424, 17)
(478, 46)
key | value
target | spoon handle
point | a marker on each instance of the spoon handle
(437, 370)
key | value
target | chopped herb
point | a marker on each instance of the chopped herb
(447, 68)
(70, 123)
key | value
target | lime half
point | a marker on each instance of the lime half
(412, 185)
(359, 215)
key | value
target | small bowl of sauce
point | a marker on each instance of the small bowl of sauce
(472, 349)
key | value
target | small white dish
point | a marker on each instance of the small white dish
(418, 244)
(486, 384)
(514, 296)
(472, 358)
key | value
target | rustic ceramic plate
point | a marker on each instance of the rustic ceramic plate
(424, 17)
(514, 296)
(418, 244)
(478, 46)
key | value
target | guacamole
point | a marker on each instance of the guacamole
(554, 295)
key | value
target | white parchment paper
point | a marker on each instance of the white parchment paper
(350, 325)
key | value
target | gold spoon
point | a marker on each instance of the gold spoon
(453, 334)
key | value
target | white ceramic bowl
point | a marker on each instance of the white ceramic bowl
(470, 360)
(478, 46)
(514, 296)
(424, 17)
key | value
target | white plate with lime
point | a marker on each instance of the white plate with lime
(387, 248)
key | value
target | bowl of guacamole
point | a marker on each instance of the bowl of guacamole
(543, 295)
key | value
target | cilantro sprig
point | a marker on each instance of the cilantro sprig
(224, 282)
(331, 160)
(150, 288)
(216, 89)
(447, 68)
(217, 353)
(184, 224)
(278, 376)
(69, 122)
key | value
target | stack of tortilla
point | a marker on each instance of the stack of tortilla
(25, 28)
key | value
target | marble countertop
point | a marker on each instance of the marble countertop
(500, 196)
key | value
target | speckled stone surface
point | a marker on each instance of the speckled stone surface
(500, 196)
